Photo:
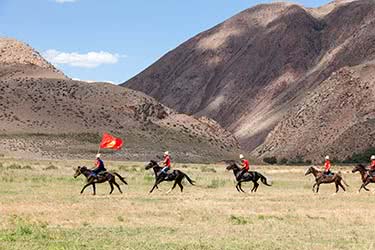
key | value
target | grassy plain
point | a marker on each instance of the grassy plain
(41, 208)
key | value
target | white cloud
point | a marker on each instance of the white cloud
(88, 60)
(65, 1)
(91, 81)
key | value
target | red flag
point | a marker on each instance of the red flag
(109, 141)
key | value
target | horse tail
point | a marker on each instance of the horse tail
(188, 179)
(340, 174)
(263, 179)
(120, 177)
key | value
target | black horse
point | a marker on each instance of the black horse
(176, 175)
(100, 178)
(365, 176)
(249, 176)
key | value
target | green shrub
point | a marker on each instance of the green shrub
(14, 166)
(270, 160)
(238, 220)
(363, 157)
(283, 161)
(299, 160)
(206, 169)
(216, 183)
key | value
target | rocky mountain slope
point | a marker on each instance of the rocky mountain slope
(45, 114)
(251, 72)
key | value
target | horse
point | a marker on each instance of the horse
(366, 178)
(100, 178)
(246, 177)
(176, 175)
(320, 178)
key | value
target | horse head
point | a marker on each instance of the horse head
(310, 170)
(232, 165)
(359, 168)
(80, 170)
(151, 164)
(77, 172)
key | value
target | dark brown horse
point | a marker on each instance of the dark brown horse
(365, 176)
(321, 178)
(250, 176)
(176, 175)
(100, 178)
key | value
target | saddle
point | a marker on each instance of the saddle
(170, 175)
(329, 174)
(371, 175)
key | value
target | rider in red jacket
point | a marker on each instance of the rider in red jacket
(166, 163)
(327, 166)
(372, 166)
(245, 166)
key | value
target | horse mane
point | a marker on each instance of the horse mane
(361, 165)
(155, 163)
(82, 167)
(315, 167)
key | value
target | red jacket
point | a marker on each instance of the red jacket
(327, 165)
(372, 166)
(167, 161)
(245, 164)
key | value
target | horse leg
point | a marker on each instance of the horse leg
(181, 187)
(239, 185)
(157, 182)
(256, 184)
(317, 187)
(174, 185)
(110, 183)
(366, 183)
(85, 186)
(342, 186)
(118, 187)
(313, 187)
(364, 186)
(337, 187)
(252, 190)
(94, 188)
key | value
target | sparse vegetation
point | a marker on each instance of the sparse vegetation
(270, 160)
(363, 157)
(55, 216)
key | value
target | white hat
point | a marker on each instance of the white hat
(241, 156)
(166, 153)
(372, 157)
(98, 155)
(327, 157)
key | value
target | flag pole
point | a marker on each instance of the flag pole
(99, 145)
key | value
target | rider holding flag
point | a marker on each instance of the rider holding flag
(99, 164)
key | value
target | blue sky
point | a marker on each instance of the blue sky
(113, 40)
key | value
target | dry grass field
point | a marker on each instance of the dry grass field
(41, 208)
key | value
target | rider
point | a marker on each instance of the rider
(327, 166)
(166, 163)
(372, 166)
(245, 166)
(99, 164)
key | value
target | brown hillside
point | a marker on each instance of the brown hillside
(43, 113)
(248, 72)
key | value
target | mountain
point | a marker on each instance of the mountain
(46, 114)
(252, 71)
